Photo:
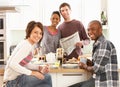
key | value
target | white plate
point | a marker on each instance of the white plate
(70, 65)
(53, 66)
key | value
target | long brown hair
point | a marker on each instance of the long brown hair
(31, 25)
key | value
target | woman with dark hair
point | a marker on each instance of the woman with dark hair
(19, 72)
(51, 36)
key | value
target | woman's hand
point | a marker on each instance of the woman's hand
(45, 69)
(38, 75)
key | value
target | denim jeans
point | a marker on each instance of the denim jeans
(89, 83)
(30, 81)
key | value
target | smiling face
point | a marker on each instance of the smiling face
(94, 30)
(65, 12)
(55, 19)
(34, 32)
(35, 35)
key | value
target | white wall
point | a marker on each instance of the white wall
(53, 5)
(114, 24)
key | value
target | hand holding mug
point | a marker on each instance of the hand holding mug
(83, 60)
(45, 69)
(82, 65)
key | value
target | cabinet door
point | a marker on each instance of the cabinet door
(54, 79)
(66, 79)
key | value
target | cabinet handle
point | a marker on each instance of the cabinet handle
(72, 74)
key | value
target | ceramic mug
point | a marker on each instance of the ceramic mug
(83, 60)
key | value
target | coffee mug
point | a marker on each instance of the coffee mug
(83, 60)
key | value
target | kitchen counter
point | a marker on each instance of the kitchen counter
(58, 70)
(65, 70)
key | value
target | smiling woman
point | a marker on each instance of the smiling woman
(19, 70)
(51, 36)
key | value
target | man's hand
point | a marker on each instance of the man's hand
(79, 44)
(86, 67)
(82, 65)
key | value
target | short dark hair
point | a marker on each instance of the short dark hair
(56, 12)
(31, 25)
(97, 22)
(63, 5)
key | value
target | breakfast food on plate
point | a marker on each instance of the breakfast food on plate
(73, 60)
